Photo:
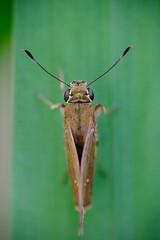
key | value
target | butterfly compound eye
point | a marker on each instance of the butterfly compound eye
(91, 94)
(66, 95)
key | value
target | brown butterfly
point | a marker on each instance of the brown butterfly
(80, 136)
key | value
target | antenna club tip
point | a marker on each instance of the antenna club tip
(126, 50)
(28, 53)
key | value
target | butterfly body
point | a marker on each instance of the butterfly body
(80, 138)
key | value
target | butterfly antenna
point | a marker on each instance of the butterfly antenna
(31, 56)
(123, 54)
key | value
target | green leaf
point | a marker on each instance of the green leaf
(85, 38)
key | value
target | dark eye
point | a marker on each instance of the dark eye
(66, 95)
(91, 94)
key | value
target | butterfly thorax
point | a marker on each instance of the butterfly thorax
(79, 113)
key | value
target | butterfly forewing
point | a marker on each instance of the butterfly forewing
(73, 163)
(87, 165)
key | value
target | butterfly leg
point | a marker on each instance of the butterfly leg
(61, 76)
(100, 109)
(65, 177)
(49, 103)
(101, 168)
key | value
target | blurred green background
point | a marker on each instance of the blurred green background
(84, 38)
